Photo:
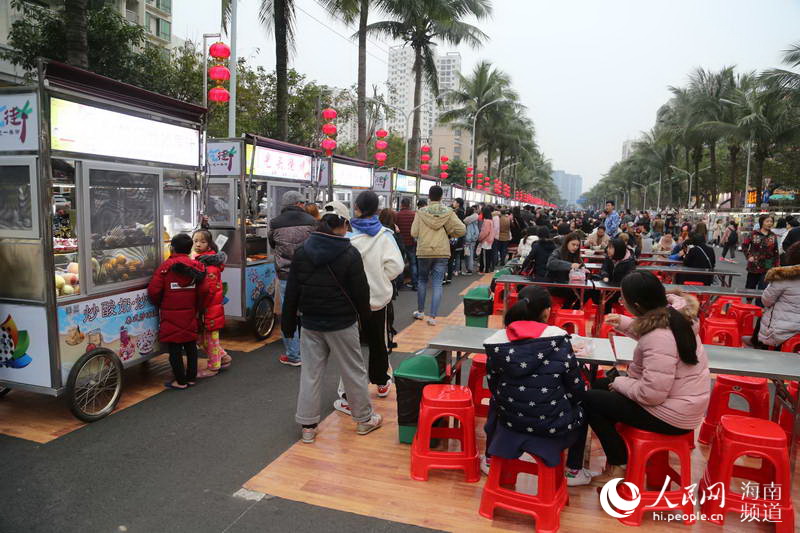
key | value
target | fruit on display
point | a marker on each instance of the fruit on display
(67, 283)
(64, 246)
(72, 268)
(67, 290)
(60, 282)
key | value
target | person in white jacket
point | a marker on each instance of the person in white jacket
(383, 262)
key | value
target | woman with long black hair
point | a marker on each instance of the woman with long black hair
(668, 383)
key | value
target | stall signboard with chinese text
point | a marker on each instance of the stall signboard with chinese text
(425, 186)
(86, 129)
(19, 122)
(382, 181)
(126, 324)
(351, 176)
(404, 183)
(276, 164)
(24, 350)
(224, 159)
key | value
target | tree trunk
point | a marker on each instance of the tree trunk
(760, 156)
(413, 149)
(712, 156)
(362, 80)
(76, 18)
(733, 150)
(697, 156)
(281, 74)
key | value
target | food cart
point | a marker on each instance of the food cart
(247, 178)
(82, 220)
(404, 184)
(425, 185)
(350, 177)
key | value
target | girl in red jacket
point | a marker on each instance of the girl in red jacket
(177, 289)
(213, 310)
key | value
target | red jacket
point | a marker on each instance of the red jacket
(213, 308)
(177, 290)
(405, 218)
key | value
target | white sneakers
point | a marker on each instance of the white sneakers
(370, 425)
(309, 434)
(577, 478)
(418, 315)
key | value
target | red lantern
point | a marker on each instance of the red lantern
(380, 157)
(470, 169)
(219, 73)
(469, 181)
(328, 145)
(329, 129)
(443, 159)
(219, 50)
(443, 167)
(329, 113)
(443, 175)
(425, 157)
(381, 145)
(424, 167)
(425, 148)
(219, 95)
(480, 176)
(380, 134)
(469, 174)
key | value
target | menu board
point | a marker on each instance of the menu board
(278, 164)
(425, 186)
(85, 129)
(404, 183)
(19, 122)
(351, 176)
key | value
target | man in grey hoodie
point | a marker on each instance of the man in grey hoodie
(470, 240)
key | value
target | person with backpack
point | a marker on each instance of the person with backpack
(730, 238)
(696, 254)
(470, 240)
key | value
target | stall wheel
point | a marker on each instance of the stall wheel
(4, 391)
(263, 317)
(94, 385)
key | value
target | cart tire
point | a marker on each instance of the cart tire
(263, 317)
(94, 385)
(4, 391)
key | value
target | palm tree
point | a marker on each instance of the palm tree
(484, 85)
(77, 19)
(350, 11)
(276, 16)
(787, 79)
(419, 23)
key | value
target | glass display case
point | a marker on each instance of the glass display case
(121, 207)
(64, 221)
(18, 198)
(180, 205)
(221, 202)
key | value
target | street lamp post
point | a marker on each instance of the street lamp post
(691, 178)
(475, 122)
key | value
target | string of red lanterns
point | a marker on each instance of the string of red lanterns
(443, 166)
(425, 166)
(381, 145)
(329, 129)
(469, 176)
(219, 73)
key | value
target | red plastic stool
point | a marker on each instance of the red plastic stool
(606, 330)
(440, 401)
(545, 507)
(575, 317)
(477, 373)
(589, 308)
(725, 329)
(754, 390)
(785, 419)
(648, 468)
(620, 309)
(498, 297)
(745, 314)
(737, 436)
(718, 308)
(792, 345)
(556, 303)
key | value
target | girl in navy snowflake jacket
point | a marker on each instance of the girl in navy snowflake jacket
(536, 386)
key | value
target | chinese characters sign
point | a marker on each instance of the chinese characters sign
(19, 123)
(224, 159)
(277, 164)
(404, 183)
(126, 324)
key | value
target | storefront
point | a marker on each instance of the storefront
(350, 177)
(247, 179)
(95, 177)
(404, 184)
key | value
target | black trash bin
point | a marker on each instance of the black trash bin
(410, 378)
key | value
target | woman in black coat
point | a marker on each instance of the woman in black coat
(327, 292)
(696, 254)
(619, 262)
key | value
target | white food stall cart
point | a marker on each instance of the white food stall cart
(82, 217)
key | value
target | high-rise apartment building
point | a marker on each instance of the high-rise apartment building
(570, 186)
(401, 89)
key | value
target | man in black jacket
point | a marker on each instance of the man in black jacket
(287, 231)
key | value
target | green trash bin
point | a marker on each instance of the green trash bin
(478, 307)
(410, 378)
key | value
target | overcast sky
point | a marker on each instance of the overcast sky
(592, 73)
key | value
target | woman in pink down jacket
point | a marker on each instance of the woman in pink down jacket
(668, 384)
